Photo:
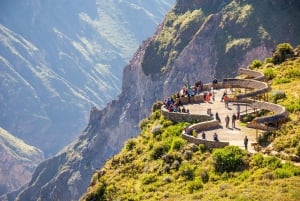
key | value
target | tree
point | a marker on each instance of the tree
(282, 52)
(229, 159)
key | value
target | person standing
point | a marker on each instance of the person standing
(246, 142)
(238, 110)
(227, 119)
(226, 100)
(215, 136)
(218, 117)
(233, 119)
(203, 136)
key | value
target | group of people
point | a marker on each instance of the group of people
(175, 106)
(233, 120)
(215, 136)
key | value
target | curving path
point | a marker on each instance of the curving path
(235, 135)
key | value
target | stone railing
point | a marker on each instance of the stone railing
(252, 74)
(203, 126)
(279, 112)
(258, 87)
(206, 143)
(181, 117)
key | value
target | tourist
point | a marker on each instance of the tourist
(233, 119)
(238, 110)
(203, 136)
(226, 100)
(215, 136)
(227, 119)
(224, 94)
(246, 142)
(217, 117)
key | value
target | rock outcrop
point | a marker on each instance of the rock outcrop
(226, 40)
(18, 161)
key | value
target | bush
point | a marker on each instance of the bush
(271, 162)
(283, 173)
(130, 144)
(187, 171)
(282, 80)
(149, 178)
(159, 150)
(255, 64)
(282, 52)
(277, 95)
(143, 123)
(269, 73)
(194, 186)
(177, 143)
(229, 159)
(156, 130)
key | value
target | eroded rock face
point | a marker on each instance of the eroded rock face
(67, 175)
(18, 161)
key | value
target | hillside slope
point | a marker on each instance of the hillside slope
(66, 175)
(160, 165)
(59, 58)
(18, 161)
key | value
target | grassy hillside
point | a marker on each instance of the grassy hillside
(160, 165)
(284, 78)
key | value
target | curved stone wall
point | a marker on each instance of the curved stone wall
(184, 117)
(279, 112)
(205, 122)
(258, 86)
(252, 74)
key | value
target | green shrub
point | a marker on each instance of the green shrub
(178, 143)
(98, 194)
(187, 171)
(283, 173)
(194, 185)
(298, 150)
(159, 150)
(293, 73)
(130, 144)
(271, 162)
(156, 130)
(143, 123)
(255, 64)
(229, 159)
(282, 52)
(277, 95)
(156, 114)
(269, 73)
(282, 80)
(257, 160)
(149, 178)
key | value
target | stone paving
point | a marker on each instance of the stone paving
(235, 136)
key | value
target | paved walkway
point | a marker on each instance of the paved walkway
(235, 136)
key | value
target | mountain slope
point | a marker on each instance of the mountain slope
(160, 165)
(18, 161)
(195, 59)
(59, 58)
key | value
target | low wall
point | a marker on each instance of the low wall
(207, 143)
(202, 126)
(193, 99)
(184, 117)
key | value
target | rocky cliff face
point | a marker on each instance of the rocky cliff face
(59, 58)
(225, 39)
(18, 161)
